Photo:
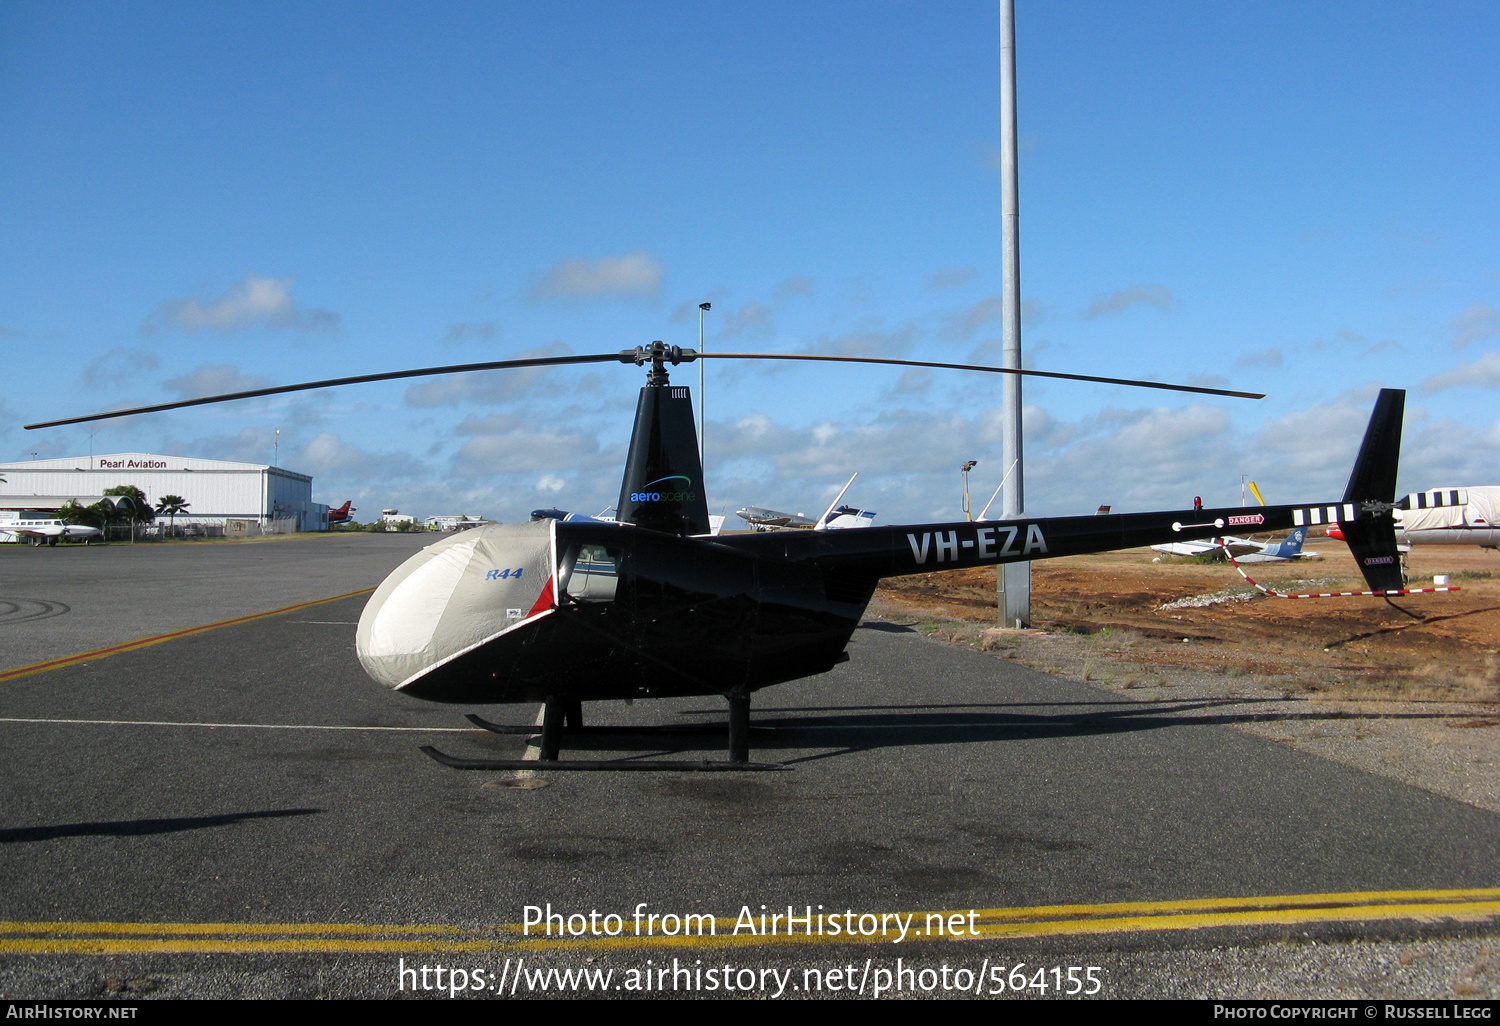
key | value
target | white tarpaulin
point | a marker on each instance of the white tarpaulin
(1482, 510)
(452, 596)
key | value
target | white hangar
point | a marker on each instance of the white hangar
(216, 491)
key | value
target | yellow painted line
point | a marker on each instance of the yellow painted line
(227, 928)
(114, 938)
(1339, 898)
(310, 945)
(1420, 912)
(131, 646)
(45, 721)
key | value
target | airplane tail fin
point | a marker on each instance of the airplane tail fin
(1291, 546)
(1371, 534)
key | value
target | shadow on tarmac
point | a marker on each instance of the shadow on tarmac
(867, 728)
(140, 827)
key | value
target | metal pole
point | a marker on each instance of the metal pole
(702, 309)
(1013, 582)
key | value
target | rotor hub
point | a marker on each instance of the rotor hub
(658, 354)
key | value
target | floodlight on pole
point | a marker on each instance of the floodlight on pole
(964, 470)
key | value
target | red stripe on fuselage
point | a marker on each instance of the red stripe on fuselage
(544, 601)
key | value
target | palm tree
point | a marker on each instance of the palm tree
(171, 505)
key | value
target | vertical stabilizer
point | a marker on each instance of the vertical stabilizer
(1372, 491)
(663, 485)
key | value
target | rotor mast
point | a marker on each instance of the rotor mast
(663, 484)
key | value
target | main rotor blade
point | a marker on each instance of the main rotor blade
(977, 367)
(254, 393)
(636, 356)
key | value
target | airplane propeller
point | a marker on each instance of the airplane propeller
(657, 354)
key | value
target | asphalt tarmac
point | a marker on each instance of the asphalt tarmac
(240, 811)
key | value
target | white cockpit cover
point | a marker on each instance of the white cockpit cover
(1482, 511)
(452, 596)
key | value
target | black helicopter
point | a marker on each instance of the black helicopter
(653, 605)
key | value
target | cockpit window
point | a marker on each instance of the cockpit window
(589, 573)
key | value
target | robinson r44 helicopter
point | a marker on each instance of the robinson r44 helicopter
(654, 606)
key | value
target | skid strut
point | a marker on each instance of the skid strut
(565, 716)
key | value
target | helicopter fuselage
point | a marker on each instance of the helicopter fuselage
(588, 611)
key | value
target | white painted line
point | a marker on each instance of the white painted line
(533, 749)
(233, 726)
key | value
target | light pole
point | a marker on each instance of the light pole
(276, 451)
(964, 470)
(1013, 580)
(703, 308)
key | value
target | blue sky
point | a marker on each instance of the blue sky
(1292, 198)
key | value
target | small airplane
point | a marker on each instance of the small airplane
(835, 518)
(50, 532)
(1447, 516)
(562, 613)
(343, 515)
(838, 519)
(1243, 549)
(462, 522)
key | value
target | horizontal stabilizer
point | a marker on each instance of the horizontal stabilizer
(1435, 498)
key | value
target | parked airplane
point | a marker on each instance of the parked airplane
(837, 519)
(1447, 516)
(343, 514)
(607, 516)
(50, 532)
(1243, 549)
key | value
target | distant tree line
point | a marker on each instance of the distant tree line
(130, 506)
(123, 505)
(380, 526)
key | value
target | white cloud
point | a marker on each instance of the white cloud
(751, 319)
(118, 364)
(465, 331)
(634, 275)
(1270, 359)
(796, 287)
(327, 453)
(990, 310)
(1133, 459)
(871, 341)
(254, 302)
(1158, 296)
(951, 277)
(216, 379)
(1340, 338)
(913, 381)
(1483, 372)
(1476, 324)
(550, 483)
(492, 386)
(520, 449)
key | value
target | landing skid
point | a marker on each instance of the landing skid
(601, 764)
(565, 716)
(532, 728)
